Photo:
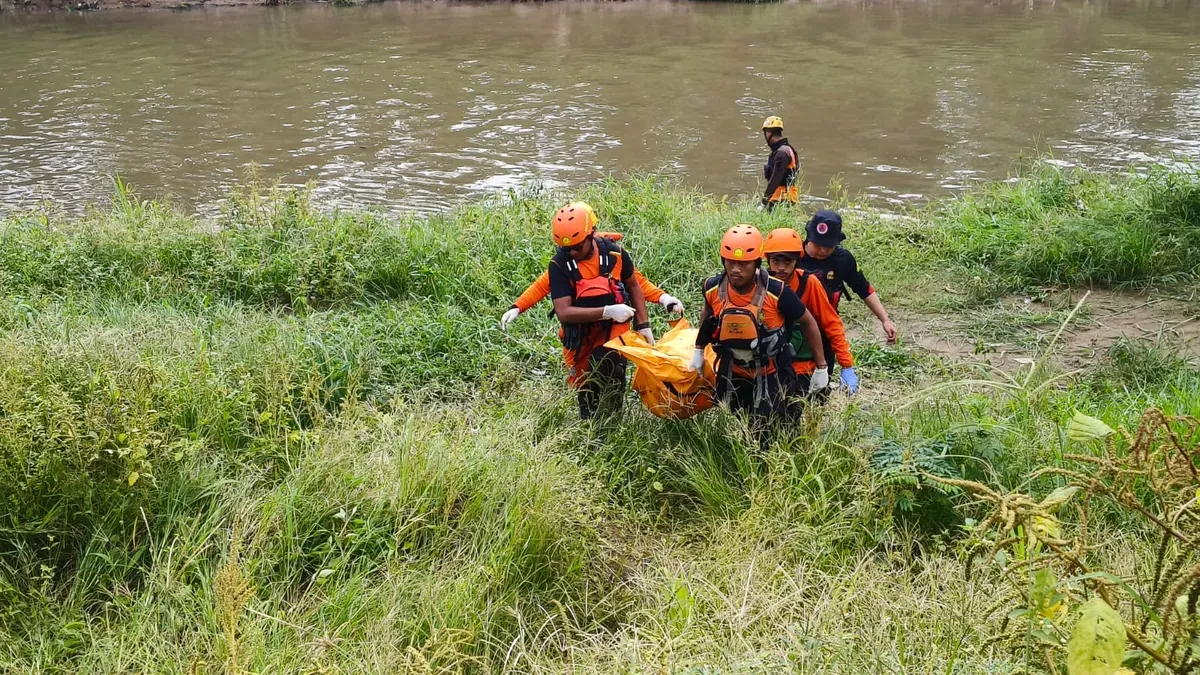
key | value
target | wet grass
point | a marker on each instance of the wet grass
(408, 487)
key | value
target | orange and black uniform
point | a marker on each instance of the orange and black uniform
(814, 297)
(781, 171)
(836, 272)
(596, 372)
(540, 288)
(781, 309)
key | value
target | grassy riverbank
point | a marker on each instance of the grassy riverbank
(297, 441)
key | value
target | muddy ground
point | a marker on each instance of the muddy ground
(1022, 328)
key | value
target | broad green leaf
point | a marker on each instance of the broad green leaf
(1044, 599)
(1083, 428)
(1044, 583)
(1056, 499)
(1097, 643)
(133, 478)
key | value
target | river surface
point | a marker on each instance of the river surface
(416, 106)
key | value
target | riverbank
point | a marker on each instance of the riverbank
(103, 5)
(98, 5)
(297, 441)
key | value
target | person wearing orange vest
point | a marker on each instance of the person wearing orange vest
(590, 284)
(782, 168)
(540, 288)
(747, 319)
(783, 249)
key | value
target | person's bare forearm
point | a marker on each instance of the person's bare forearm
(568, 313)
(876, 307)
(638, 300)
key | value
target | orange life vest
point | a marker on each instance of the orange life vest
(788, 190)
(744, 344)
(602, 289)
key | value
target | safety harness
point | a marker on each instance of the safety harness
(739, 337)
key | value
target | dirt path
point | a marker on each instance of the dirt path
(1021, 328)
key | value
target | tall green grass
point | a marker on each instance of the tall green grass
(409, 488)
(1053, 225)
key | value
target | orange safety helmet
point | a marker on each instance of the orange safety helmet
(573, 223)
(742, 242)
(783, 240)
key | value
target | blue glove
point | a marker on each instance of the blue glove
(850, 380)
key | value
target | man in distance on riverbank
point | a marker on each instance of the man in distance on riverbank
(782, 168)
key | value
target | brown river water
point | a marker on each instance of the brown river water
(416, 106)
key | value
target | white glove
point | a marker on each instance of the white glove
(697, 361)
(819, 380)
(648, 334)
(509, 317)
(618, 313)
(671, 303)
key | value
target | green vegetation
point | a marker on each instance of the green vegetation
(296, 441)
(1059, 226)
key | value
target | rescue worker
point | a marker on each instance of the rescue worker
(783, 249)
(837, 268)
(540, 288)
(590, 284)
(782, 168)
(748, 318)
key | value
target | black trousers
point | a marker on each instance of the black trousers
(798, 398)
(799, 389)
(769, 409)
(603, 386)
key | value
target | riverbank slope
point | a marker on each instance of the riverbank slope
(297, 441)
